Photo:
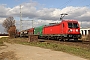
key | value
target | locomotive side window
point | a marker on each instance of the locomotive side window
(73, 25)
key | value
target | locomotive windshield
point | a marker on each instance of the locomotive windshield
(73, 25)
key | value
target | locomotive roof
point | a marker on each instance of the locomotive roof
(70, 20)
(61, 22)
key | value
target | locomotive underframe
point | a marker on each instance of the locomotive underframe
(62, 36)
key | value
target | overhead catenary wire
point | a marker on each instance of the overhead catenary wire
(66, 3)
(31, 21)
(79, 3)
(69, 1)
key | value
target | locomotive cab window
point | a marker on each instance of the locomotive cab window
(73, 25)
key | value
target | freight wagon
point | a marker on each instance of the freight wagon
(25, 33)
(38, 31)
(31, 31)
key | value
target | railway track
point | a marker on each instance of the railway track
(79, 43)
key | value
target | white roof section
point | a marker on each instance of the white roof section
(84, 28)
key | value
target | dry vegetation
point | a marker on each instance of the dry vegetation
(76, 48)
(7, 56)
(86, 39)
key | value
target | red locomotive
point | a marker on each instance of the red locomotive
(67, 29)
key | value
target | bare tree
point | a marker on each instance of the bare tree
(9, 25)
(8, 22)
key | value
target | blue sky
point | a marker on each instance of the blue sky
(63, 3)
(48, 3)
(45, 11)
(12, 3)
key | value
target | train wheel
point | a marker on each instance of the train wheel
(63, 39)
(76, 39)
(68, 39)
(48, 37)
(57, 38)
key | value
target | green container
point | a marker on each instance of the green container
(38, 30)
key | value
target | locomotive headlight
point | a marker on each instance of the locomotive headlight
(76, 30)
(70, 30)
